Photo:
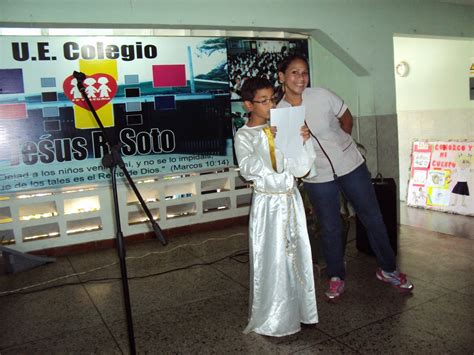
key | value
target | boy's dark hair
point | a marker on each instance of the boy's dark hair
(252, 85)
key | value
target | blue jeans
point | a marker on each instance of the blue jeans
(357, 188)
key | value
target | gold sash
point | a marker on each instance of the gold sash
(271, 145)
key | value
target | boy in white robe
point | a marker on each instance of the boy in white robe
(282, 293)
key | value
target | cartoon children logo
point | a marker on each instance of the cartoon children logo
(100, 88)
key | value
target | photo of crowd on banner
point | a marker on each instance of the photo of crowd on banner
(249, 58)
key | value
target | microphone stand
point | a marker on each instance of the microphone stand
(111, 160)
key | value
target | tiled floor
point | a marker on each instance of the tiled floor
(454, 224)
(181, 308)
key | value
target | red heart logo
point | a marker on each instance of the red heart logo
(100, 88)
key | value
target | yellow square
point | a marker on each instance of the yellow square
(84, 119)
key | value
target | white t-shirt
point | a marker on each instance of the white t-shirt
(323, 110)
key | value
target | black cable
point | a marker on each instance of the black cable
(232, 256)
(324, 152)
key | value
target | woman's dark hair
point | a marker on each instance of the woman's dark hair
(252, 85)
(282, 67)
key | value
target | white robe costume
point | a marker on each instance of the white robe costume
(282, 293)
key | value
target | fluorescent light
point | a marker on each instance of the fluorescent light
(20, 31)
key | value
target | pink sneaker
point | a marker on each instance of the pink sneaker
(336, 288)
(396, 279)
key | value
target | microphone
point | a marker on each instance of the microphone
(80, 77)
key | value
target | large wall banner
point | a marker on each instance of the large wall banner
(442, 176)
(171, 104)
(165, 101)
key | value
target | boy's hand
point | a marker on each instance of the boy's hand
(273, 129)
(305, 133)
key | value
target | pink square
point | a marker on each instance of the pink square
(166, 75)
(13, 111)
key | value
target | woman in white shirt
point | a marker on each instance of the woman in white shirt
(340, 168)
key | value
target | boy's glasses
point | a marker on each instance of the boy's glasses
(265, 101)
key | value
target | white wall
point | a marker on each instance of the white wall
(433, 99)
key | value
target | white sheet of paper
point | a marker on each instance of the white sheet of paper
(288, 138)
(419, 177)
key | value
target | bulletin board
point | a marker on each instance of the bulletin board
(442, 176)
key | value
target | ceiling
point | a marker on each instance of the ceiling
(460, 2)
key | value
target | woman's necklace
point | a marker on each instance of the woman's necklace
(295, 101)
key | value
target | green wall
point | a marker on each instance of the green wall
(328, 71)
(352, 40)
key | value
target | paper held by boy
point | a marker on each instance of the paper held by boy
(288, 121)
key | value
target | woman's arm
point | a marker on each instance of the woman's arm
(346, 121)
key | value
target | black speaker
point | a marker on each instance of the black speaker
(386, 192)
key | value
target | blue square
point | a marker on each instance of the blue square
(165, 102)
(48, 82)
(131, 79)
(133, 106)
(52, 111)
